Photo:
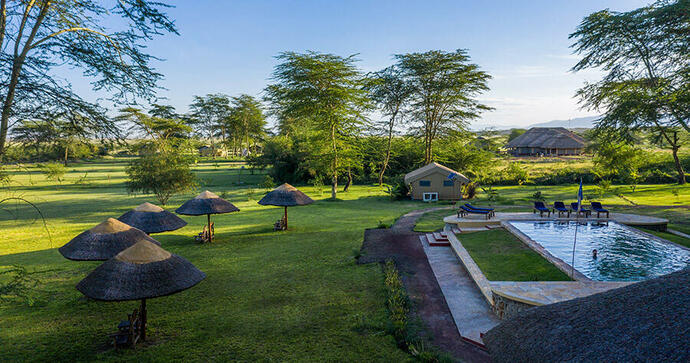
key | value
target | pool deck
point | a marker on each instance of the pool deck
(549, 292)
(534, 293)
(478, 221)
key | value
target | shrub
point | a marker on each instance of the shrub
(399, 189)
(538, 196)
(268, 182)
(54, 171)
(16, 282)
(469, 190)
(162, 174)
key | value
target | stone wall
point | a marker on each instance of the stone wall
(505, 308)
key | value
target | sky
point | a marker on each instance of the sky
(230, 46)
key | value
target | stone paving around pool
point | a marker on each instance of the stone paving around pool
(475, 221)
(509, 297)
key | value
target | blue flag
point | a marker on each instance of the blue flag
(579, 197)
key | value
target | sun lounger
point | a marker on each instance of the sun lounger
(541, 208)
(490, 210)
(470, 206)
(560, 208)
(463, 211)
(586, 212)
(596, 206)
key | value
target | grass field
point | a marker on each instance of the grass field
(268, 296)
(503, 257)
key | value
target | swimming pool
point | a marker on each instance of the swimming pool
(623, 253)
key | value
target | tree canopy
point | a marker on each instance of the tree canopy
(646, 56)
(325, 92)
(444, 90)
(37, 37)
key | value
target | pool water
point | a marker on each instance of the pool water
(623, 254)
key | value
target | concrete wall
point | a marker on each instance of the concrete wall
(436, 178)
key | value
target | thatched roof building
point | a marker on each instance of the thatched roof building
(646, 321)
(546, 141)
(151, 218)
(103, 241)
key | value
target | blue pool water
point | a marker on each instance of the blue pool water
(623, 253)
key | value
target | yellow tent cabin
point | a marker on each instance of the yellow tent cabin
(435, 182)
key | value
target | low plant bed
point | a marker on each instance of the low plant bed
(503, 257)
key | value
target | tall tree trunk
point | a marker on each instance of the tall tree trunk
(679, 166)
(334, 181)
(7, 106)
(66, 151)
(388, 155)
(349, 180)
(17, 65)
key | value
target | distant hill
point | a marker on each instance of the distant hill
(576, 123)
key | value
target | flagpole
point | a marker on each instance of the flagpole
(577, 223)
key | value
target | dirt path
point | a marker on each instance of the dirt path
(402, 245)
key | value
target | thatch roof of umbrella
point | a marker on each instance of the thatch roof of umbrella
(285, 196)
(151, 218)
(103, 241)
(645, 321)
(142, 271)
(206, 203)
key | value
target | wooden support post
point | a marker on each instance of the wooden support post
(210, 235)
(142, 322)
(286, 223)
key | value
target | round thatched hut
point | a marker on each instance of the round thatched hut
(206, 203)
(140, 272)
(285, 196)
(644, 322)
(103, 241)
(151, 218)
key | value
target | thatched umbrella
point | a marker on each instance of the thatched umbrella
(141, 272)
(644, 322)
(206, 203)
(103, 241)
(286, 196)
(151, 218)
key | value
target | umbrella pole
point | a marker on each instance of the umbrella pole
(210, 235)
(142, 332)
(286, 218)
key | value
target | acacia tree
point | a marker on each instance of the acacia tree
(325, 92)
(160, 129)
(208, 115)
(391, 93)
(646, 56)
(246, 119)
(65, 129)
(38, 36)
(444, 90)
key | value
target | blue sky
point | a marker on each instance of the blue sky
(229, 46)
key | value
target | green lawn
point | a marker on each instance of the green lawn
(268, 296)
(432, 221)
(503, 257)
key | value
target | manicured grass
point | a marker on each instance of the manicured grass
(502, 257)
(268, 296)
(671, 237)
(432, 221)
